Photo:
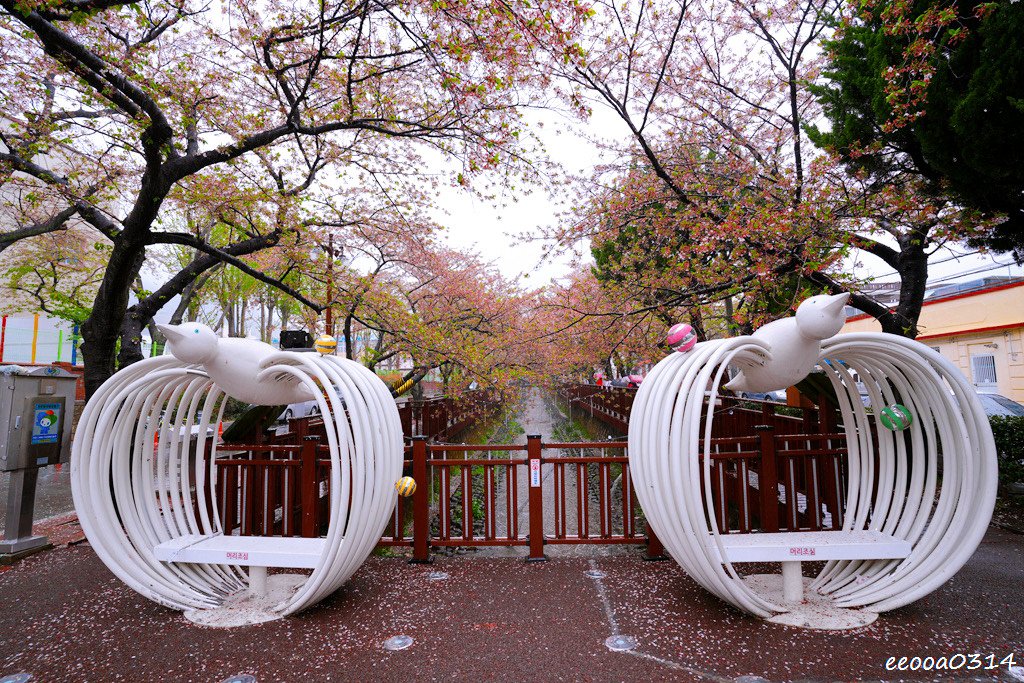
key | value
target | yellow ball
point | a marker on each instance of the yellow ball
(325, 344)
(406, 486)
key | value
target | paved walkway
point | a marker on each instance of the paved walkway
(64, 617)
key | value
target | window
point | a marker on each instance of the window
(984, 370)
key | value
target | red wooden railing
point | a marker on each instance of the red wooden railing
(612, 405)
(443, 418)
(784, 474)
(437, 418)
(273, 489)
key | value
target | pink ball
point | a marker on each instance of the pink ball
(681, 337)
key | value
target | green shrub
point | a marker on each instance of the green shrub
(1008, 432)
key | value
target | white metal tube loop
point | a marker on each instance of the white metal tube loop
(132, 496)
(891, 489)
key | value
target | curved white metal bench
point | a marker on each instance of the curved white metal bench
(151, 517)
(903, 536)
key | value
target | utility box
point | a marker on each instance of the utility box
(35, 416)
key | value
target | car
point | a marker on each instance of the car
(305, 408)
(301, 409)
(995, 404)
(774, 396)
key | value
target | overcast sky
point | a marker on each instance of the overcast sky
(497, 231)
(493, 230)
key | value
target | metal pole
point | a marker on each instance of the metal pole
(21, 502)
(35, 335)
(330, 275)
(258, 580)
(74, 344)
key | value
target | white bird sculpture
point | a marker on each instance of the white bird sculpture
(795, 345)
(903, 530)
(236, 365)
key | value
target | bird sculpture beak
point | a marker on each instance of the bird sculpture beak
(836, 303)
(171, 332)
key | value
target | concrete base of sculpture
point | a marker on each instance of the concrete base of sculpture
(246, 608)
(814, 611)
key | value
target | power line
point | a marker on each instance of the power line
(951, 257)
(995, 265)
(974, 271)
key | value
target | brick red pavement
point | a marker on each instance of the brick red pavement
(64, 617)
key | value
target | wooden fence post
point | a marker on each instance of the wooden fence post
(655, 550)
(534, 462)
(768, 479)
(310, 488)
(420, 503)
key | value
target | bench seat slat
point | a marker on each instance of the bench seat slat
(813, 545)
(249, 551)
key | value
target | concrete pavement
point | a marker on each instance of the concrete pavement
(64, 617)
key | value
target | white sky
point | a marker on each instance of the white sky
(497, 230)
(500, 233)
(493, 230)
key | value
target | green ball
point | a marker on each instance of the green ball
(895, 417)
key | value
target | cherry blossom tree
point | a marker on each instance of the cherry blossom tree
(719, 203)
(114, 109)
(713, 197)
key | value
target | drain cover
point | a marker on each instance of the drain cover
(594, 574)
(397, 643)
(437, 576)
(240, 678)
(620, 643)
(16, 678)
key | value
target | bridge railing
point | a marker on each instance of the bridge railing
(769, 472)
(444, 417)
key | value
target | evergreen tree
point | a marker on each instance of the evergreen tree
(961, 131)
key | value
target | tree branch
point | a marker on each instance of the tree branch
(53, 223)
(229, 255)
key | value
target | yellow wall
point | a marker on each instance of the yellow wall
(951, 322)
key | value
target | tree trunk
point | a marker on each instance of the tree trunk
(100, 331)
(263, 320)
(349, 342)
(131, 339)
(697, 323)
(913, 270)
